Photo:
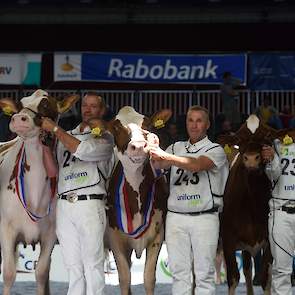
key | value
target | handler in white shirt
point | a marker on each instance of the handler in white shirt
(199, 170)
(84, 165)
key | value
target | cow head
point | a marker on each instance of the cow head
(27, 114)
(250, 139)
(130, 131)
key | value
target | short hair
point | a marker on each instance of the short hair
(99, 98)
(198, 108)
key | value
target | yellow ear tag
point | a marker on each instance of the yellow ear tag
(287, 140)
(96, 131)
(7, 111)
(159, 124)
(227, 149)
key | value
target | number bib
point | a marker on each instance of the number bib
(75, 174)
(286, 183)
(189, 191)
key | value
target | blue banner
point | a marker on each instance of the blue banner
(275, 71)
(148, 68)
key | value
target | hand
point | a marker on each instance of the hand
(157, 154)
(267, 153)
(47, 124)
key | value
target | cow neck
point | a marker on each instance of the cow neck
(31, 179)
(133, 172)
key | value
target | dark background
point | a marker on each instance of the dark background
(167, 26)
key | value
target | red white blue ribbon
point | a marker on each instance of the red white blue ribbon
(124, 217)
(20, 186)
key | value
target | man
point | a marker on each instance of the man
(281, 222)
(199, 170)
(84, 164)
(230, 99)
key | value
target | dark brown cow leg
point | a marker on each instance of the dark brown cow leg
(232, 271)
(266, 270)
(152, 253)
(247, 269)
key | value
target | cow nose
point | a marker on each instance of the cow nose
(23, 118)
(136, 147)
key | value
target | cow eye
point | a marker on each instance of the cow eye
(257, 157)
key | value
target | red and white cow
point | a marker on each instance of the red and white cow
(244, 220)
(27, 178)
(137, 200)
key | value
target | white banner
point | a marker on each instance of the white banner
(20, 69)
(67, 67)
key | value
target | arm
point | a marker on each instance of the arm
(228, 90)
(273, 162)
(166, 160)
(95, 149)
(70, 142)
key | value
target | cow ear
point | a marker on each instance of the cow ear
(97, 126)
(160, 118)
(9, 106)
(229, 140)
(65, 104)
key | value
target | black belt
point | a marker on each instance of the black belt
(214, 209)
(83, 197)
(289, 210)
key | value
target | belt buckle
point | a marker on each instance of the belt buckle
(72, 197)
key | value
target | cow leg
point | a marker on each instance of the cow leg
(152, 253)
(232, 271)
(43, 266)
(266, 270)
(247, 269)
(123, 262)
(8, 249)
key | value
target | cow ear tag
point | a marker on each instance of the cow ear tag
(7, 111)
(227, 149)
(287, 140)
(96, 132)
(159, 124)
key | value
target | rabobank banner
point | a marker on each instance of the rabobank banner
(20, 69)
(148, 68)
(272, 71)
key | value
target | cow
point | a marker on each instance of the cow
(244, 220)
(27, 186)
(137, 195)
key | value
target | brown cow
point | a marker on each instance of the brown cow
(137, 195)
(244, 220)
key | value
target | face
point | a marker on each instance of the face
(91, 108)
(23, 124)
(197, 124)
(252, 160)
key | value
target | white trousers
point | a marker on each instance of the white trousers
(281, 227)
(80, 229)
(192, 238)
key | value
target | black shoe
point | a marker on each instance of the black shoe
(256, 281)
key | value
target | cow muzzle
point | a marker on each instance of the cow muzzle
(22, 124)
